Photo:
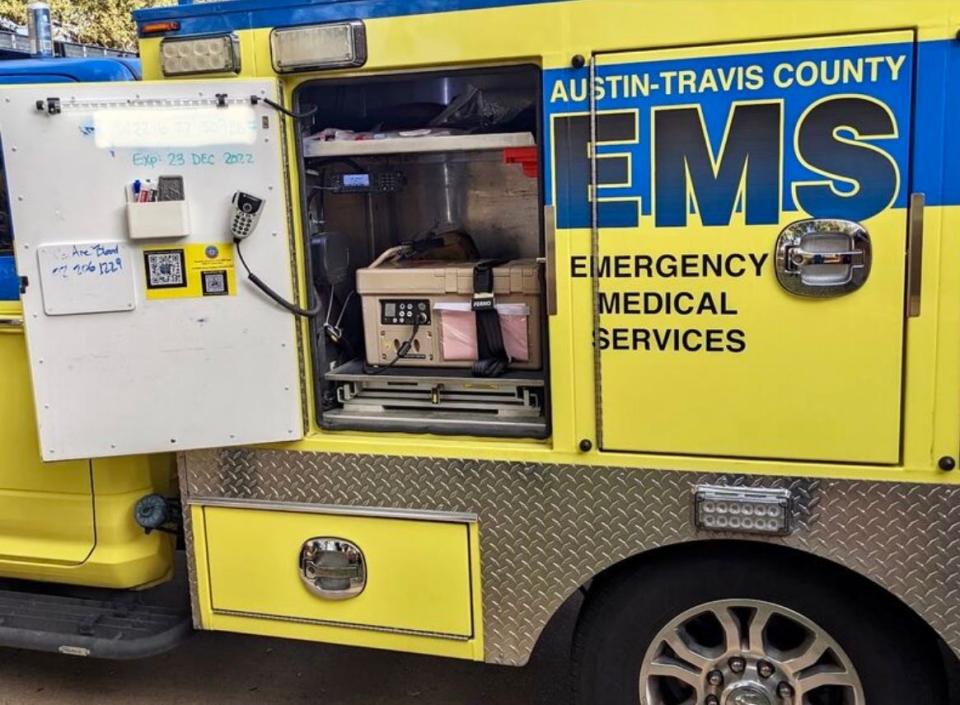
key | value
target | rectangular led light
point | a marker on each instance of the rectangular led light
(184, 56)
(744, 510)
(322, 46)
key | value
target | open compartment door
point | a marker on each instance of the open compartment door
(143, 335)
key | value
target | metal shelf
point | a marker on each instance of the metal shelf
(417, 145)
(444, 423)
(353, 371)
(438, 400)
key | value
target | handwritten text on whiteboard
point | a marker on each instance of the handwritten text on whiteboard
(153, 128)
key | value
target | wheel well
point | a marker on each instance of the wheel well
(825, 569)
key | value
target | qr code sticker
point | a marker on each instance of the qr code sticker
(165, 269)
(214, 283)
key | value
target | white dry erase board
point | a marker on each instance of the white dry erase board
(151, 345)
(86, 277)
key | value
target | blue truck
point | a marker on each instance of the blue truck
(74, 63)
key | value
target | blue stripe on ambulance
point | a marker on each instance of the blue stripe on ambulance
(937, 138)
(204, 18)
(636, 90)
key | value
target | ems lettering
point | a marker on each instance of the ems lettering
(571, 139)
(747, 168)
(833, 139)
(838, 139)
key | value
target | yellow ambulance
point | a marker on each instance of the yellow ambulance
(411, 320)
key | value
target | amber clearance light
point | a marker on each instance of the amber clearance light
(148, 29)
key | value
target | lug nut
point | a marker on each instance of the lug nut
(785, 690)
(715, 678)
(765, 669)
(711, 700)
(737, 664)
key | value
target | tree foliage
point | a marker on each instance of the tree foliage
(104, 22)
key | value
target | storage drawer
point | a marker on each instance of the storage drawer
(417, 572)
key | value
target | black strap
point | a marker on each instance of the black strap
(492, 358)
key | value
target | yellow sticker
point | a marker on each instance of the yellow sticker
(190, 271)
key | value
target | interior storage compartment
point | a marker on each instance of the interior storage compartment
(423, 211)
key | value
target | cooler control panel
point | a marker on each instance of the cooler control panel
(404, 312)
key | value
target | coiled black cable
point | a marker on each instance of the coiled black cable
(265, 288)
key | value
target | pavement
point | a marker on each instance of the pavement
(231, 669)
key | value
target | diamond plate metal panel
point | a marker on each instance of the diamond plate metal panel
(545, 529)
(191, 554)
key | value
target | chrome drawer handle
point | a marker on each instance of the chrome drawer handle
(11, 323)
(333, 568)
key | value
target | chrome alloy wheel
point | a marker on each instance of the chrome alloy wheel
(746, 652)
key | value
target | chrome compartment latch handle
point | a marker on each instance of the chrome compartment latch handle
(333, 568)
(823, 257)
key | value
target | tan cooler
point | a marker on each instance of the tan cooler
(395, 294)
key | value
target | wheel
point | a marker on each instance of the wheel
(757, 630)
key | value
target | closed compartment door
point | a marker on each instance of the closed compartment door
(46, 513)
(406, 576)
(748, 253)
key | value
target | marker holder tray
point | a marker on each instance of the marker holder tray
(158, 220)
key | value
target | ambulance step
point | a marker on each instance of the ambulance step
(110, 624)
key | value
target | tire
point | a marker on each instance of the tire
(876, 652)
